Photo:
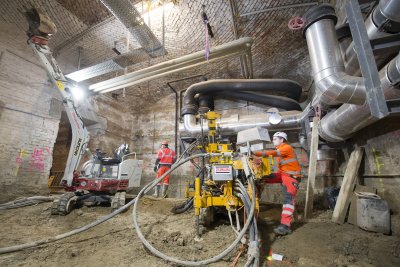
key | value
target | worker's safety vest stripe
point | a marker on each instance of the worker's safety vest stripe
(166, 156)
(288, 206)
(287, 212)
(290, 164)
(289, 172)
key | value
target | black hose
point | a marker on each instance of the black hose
(280, 102)
(273, 86)
(183, 207)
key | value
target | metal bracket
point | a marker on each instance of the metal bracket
(369, 70)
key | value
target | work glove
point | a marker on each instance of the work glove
(155, 168)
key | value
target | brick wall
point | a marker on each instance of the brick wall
(28, 125)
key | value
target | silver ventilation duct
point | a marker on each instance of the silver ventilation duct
(326, 62)
(233, 124)
(333, 85)
(340, 124)
(125, 12)
(382, 22)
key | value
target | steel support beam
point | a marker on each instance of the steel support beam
(369, 70)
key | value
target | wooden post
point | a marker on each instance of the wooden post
(346, 190)
(312, 169)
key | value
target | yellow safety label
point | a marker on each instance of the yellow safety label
(60, 85)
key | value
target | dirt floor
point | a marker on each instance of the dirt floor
(114, 243)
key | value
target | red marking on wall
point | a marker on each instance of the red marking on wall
(37, 160)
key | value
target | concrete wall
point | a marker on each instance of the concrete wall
(29, 116)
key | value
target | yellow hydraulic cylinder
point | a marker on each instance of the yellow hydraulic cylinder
(197, 196)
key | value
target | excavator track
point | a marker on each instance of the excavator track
(118, 200)
(64, 204)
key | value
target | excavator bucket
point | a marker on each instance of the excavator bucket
(40, 24)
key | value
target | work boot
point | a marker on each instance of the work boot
(282, 230)
(164, 191)
(156, 191)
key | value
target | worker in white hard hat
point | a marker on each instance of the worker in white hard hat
(165, 158)
(288, 174)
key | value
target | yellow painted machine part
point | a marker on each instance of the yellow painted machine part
(262, 167)
(203, 199)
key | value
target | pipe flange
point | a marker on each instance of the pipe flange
(316, 13)
(393, 71)
(203, 110)
(189, 109)
(383, 23)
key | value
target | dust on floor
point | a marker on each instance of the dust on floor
(114, 243)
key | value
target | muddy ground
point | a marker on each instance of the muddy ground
(114, 243)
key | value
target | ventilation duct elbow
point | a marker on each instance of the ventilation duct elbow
(278, 86)
(342, 123)
(333, 85)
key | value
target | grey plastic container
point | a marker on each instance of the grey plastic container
(373, 213)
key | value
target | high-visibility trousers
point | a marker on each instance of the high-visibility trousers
(161, 170)
(290, 186)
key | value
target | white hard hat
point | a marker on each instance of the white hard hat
(281, 134)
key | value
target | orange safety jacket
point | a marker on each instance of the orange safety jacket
(166, 156)
(288, 162)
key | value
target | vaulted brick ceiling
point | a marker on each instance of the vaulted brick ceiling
(277, 51)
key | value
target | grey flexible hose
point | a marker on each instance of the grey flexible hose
(19, 203)
(79, 230)
(183, 262)
(70, 233)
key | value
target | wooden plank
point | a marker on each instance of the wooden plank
(312, 169)
(346, 190)
(353, 202)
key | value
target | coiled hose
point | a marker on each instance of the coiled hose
(184, 262)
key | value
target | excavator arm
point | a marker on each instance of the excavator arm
(40, 30)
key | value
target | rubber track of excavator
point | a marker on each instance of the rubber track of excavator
(60, 205)
(118, 200)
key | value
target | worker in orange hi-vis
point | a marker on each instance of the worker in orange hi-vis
(288, 174)
(165, 158)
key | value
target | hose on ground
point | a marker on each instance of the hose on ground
(183, 207)
(23, 202)
(78, 230)
(184, 262)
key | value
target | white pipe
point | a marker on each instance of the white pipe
(161, 73)
(242, 45)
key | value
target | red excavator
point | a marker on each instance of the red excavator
(101, 180)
